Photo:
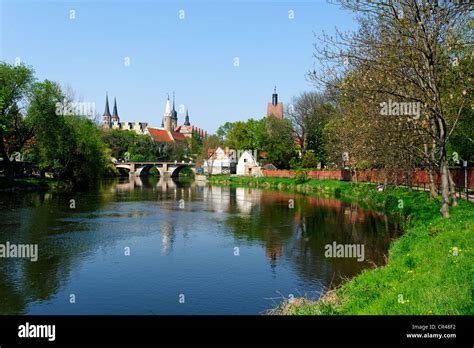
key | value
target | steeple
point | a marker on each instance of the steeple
(186, 121)
(107, 110)
(275, 97)
(115, 115)
(168, 116)
(173, 112)
(168, 107)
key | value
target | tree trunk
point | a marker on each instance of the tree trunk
(433, 188)
(444, 172)
(452, 189)
(7, 164)
(430, 159)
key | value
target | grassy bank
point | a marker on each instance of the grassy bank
(423, 274)
(31, 184)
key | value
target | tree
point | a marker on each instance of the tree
(222, 131)
(15, 131)
(309, 114)
(278, 142)
(309, 160)
(403, 51)
(53, 144)
(118, 141)
(67, 146)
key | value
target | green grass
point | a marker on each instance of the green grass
(30, 183)
(421, 266)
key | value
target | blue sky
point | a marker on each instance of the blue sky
(193, 56)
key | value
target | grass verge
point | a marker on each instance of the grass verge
(31, 184)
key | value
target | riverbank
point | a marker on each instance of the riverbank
(429, 269)
(31, 184)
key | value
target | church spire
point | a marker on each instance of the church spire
(115, 113)
(168, 107)
(174, 112)
(107, 110)
(275, 97)
(186, 121)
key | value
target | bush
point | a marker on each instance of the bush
(309, 160)
(301, 176)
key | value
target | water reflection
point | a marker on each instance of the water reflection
(182, 235)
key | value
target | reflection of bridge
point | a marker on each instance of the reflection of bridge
(170, 169)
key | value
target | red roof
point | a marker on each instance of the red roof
(178, 136)
(160, 135)
(163, 136)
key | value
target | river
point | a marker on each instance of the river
(154, 246)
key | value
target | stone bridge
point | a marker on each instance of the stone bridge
(166, 169)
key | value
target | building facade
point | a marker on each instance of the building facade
(220, 161)
(248, 165)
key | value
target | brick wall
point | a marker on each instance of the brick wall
(419, 177)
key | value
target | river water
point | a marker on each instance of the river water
(149, 246)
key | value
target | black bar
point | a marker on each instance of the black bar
(289, 331)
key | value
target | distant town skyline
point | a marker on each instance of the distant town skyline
(222, 60)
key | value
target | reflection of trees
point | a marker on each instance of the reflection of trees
(300, 234)
(167, 237)
(46, 219)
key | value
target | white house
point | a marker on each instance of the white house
(248, 165)
(220, 161)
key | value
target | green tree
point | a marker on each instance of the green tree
(309, 160)
(279, 142)
(67, 146)
(15, 130)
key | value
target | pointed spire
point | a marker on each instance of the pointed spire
(107, 110)
(186, 122)
(168, 106)
(173, 102)
(115, 113)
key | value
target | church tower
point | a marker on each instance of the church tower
(186, 120)
(174, 119)
(168, 116)
(275, 108)
(115, 116)
(106, 121)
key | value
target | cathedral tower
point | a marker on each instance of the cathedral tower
(186, 120)
(167, 117)
(174, 119)
(275, 108)
(106, 117)
(115, 116)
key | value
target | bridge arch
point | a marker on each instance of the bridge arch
(176, 170)
(123, 169)
(145, 170)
